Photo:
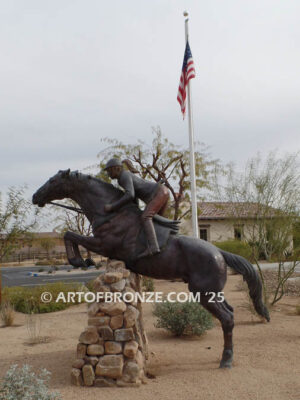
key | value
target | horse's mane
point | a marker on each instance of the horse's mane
(108, 187)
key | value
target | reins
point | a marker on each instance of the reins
(79, 210)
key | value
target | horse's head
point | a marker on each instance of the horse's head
(56, 188)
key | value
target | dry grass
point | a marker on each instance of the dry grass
(7, 313)
(33, 323)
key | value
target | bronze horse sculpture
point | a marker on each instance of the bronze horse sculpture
(197, 262)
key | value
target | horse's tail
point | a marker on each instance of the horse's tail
(250, 275)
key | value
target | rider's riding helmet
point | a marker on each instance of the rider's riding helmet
(113, 162)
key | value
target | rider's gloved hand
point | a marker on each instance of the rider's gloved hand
(108, 208)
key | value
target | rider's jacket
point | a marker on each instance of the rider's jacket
(134, 186)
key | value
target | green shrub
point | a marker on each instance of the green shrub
(298, 310)
(182, 318)
(23, 384)
(90, 286)
(28, 300)
(147, 284)
(236, 247)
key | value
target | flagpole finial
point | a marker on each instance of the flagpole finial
(185, 14)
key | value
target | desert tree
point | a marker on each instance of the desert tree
(164, 161)
(47, 244)
(17, 221)
(264, 201)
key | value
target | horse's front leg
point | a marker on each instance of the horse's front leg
(72, 240)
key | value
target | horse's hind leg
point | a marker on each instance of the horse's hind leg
(224, 312)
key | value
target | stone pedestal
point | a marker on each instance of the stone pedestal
(113, 347)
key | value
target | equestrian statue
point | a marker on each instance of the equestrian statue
(146, 242)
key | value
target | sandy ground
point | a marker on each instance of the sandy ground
(266, 362)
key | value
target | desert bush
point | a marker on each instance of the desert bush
(298, 309)
(23, 384)
(49, 261)
(182, 318)
(147, 284)
(7, 313)
(236, 247)
(28, 300)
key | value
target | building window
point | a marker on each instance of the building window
(238, 232)
(203, 233)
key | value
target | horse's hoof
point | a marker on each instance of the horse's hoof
(227, 358)
(226, 364)
(77, 263)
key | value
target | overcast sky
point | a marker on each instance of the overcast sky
(72, 72)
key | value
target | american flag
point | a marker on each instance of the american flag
(187, 73)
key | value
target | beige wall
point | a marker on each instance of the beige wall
(218, 230)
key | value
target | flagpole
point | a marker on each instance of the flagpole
(191, 142)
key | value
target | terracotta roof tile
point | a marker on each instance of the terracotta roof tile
(225, 210)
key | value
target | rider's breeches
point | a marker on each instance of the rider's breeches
(158, 204)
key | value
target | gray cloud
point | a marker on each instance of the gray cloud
(72, 72)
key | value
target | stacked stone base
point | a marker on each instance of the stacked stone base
(113, 347)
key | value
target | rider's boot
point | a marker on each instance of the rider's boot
(153, 247)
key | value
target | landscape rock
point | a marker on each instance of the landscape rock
(130, 349)
(91, 360)
(118, 286)
(78, 363)
(113, 347)
(76, 377)
(99, 321)
(123, 335)
(116, 321)
(128, 295)
(112, 277)
(131, 372)
(113, 308)
(110, 366)
(104, 382)
(106, 333)
(88, 375)
(95, 350)
(126, 273)
(100, 287)
(130, 316)
(89, 335)
(81, 350)
(122, 383)
(93, 309)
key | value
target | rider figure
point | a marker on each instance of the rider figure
(154, 194)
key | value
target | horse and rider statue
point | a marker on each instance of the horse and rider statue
(146, 242)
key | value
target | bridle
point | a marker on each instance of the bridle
(79, 210)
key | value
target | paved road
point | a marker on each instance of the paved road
(287, 265)
(19, 276)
